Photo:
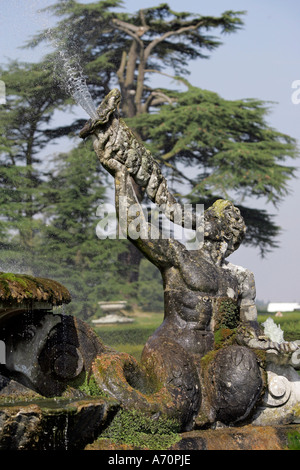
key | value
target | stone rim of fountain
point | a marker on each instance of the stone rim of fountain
(21, 293)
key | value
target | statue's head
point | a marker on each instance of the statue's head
(224, 225)
(104, 111)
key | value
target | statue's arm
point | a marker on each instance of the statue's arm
(134, 226)
(117, 147)
(247, 295)
(128, 161)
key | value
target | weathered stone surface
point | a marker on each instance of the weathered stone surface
(280, 403)
(242, 438)
(11, 390)
(49, 351)
(166, 385)
(54, 424)
(235, 382)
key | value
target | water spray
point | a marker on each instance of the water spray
(69, 72)
(72, 78)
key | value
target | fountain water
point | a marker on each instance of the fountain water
(69, 72)
(78, 89)
(273, 331)
(71, 78)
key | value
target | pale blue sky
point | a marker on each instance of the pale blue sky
(261, 61)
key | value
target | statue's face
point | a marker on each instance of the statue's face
(223, 223)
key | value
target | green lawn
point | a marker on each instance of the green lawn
(131, 337)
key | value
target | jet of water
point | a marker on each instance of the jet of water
(72, 78)
(76, 85)
(69, 71)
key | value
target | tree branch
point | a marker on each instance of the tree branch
(134, 31)
(176, 77)
(159, 97)
(168, 34)
(121, 69)
(142, 16)
(131, 64)
(179, 173)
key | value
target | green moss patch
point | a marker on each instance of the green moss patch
(293, 440)
(23, 287)
(227, 314)
(141, 431)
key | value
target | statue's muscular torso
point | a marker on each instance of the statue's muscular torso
(193, 287)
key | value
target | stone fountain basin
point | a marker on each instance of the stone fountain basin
(54, 424)
(22, 293)
(7, 310)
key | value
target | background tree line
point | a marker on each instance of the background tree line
(208, 147)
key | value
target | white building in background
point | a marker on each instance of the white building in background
(283, 306)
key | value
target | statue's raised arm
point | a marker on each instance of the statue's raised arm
(119, 149)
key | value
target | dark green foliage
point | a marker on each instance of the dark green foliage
(228, 150)
(139, 430)
(150, 288)
(226, 146)
(86, 30)
(31, 100)
(228, 314)
(229, 141)
(126, 335)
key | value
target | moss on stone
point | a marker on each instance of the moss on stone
(293, 440)
(23, 288)
(224, 337)
(87, 384)
(208, 359)
(227, 314)
(142, 431)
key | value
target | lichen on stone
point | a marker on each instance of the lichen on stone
(219, 207)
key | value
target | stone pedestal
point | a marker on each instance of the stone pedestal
(243, 438)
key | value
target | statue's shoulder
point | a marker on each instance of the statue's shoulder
(244, 276)
(238, 271)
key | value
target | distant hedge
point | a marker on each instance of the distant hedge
(129, 336)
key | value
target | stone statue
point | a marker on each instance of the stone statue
(207, 362)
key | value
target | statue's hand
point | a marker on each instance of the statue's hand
(287, 347)
(287, 352)
(107, 157)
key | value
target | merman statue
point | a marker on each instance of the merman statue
(207, 362)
